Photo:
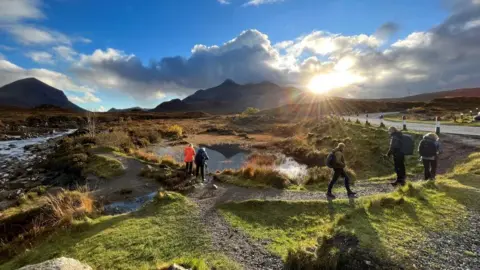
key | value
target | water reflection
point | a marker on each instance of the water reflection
(231, 156)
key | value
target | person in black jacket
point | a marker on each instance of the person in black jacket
(396, 150)
(200, 159)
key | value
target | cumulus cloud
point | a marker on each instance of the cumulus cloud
(10, 72)
(88, 97)
(386, 30)
(101, 109)
(224, 2)
(362, 65)
(41, 57)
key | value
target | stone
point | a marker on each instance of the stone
(58, 264)
(176, 267)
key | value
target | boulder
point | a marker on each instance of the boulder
(58, 264)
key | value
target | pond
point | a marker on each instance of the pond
(232, 156)
(117, 208)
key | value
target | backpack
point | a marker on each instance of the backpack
(330, 161)
(408, 145)
(427, 148)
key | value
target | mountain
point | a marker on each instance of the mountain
(467, 92)
(31, 93)
(133, 109)
(230, 97)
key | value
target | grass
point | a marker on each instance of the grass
(365, 146)
(165, 231)
(388, 227)
(104, 167)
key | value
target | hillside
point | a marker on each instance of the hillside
(31, 93)
(467, 92)
(230, 97)
(311, 108)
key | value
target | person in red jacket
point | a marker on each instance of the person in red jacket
(189, 154)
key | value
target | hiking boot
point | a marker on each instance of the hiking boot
(330, 196)
(351, 194)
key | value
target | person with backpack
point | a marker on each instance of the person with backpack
(396, 150)
(189, 155)
(429, 149)
(200, 159)
(336, 161)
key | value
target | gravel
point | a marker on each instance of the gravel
(459, 249)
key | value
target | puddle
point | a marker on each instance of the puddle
(118, 208)
(231, 156)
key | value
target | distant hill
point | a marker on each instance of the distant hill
(133, 109)
(32, 93)
(230, 97)
(467, 92)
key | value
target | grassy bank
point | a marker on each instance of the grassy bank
(384, 228)
(166, 230)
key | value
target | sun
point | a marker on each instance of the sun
(323, 83)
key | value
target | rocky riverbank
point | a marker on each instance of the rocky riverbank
(19, 166)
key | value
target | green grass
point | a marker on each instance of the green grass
(391, 225)
(165, 231)
(104, 166)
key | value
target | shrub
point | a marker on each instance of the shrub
(250, 111)
(258, 159)
(174, 131)
(119, 139)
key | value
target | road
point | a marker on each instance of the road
(374, 119)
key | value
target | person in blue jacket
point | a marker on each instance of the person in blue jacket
(201, 158)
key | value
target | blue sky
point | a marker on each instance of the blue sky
(72, 38)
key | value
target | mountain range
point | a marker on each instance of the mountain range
(230, 97)
(31, 93)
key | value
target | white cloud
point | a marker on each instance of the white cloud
(67, 53)
(14, 10)
(87, 98)
(101, 109)
(10, 72)
(261, 2)
(31, 35)
(224, 2)
(41, 57)
(6, 48)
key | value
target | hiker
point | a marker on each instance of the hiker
(200, 159)
(429, 149)
(336, 161)
(189, 154)
(396, 150)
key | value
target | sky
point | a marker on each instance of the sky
(125, 53)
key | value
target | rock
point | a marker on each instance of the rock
(176, 267)
(58, 264)
(12, 145)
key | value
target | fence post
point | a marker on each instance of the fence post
(404, 122)
(437, 124)
(367, 119)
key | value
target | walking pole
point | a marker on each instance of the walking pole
(437, 123)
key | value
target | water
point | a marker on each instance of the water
(15, 148)
(231, 156)
(128, 206)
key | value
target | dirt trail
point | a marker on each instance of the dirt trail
(126, 186)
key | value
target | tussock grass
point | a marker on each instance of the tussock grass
(165, 231)
(104, 167)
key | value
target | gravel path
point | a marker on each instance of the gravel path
(459, 249)
(236, 244)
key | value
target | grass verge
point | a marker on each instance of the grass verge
(165, 231)
(104, 166)
(387, 227)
